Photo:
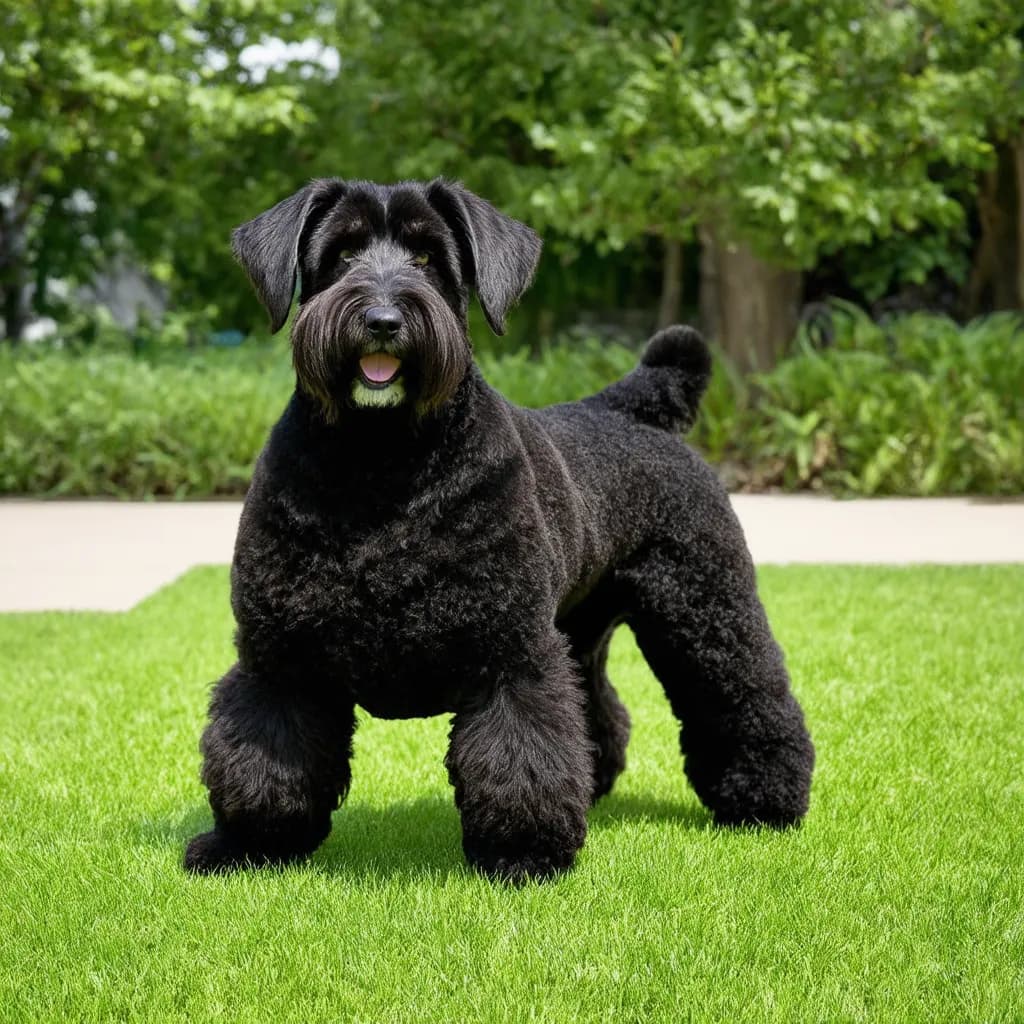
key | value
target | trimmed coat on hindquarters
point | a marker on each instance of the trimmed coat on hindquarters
(415, 544)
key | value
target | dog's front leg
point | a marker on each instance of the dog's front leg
(522, 768)
(276, 762)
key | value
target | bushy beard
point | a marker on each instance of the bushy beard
(330, 336)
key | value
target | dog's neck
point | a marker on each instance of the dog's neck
(391, 442)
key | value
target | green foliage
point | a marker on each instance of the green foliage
(908, 258)
(561, 373)
(191, 424)
(109, 424)
(803, 128)
(131, 127)
(800, 128)
(918, 406)
(92, 329)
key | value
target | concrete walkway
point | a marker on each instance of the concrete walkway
(107, 556)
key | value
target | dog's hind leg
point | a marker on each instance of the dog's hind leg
(607, 719)
(701, 626)
(276, 763)
(522, 766)
(589, 625)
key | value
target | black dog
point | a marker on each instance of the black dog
(415, 544)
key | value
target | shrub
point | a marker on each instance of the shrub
(560, 373)
(109, 424)
(191, 424)
(914, 406)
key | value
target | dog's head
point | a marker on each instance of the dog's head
(385, 273)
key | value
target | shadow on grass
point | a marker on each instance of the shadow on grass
(613, 809)
(409, 838)
(414, 838)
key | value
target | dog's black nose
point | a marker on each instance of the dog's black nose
(383, 321)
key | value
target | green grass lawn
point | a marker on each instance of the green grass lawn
(899, 899)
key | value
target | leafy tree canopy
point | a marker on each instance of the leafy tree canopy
(797, 128)
(121, 122)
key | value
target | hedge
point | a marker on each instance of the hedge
(916, 406)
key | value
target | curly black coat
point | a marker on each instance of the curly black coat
(472, 558)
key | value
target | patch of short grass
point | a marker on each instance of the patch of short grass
(899, 899)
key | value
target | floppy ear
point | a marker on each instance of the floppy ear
(499, 254)
(268, 247)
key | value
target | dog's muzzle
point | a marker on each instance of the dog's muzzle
(369, 344)
(380, 369)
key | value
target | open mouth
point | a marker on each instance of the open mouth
(379, 370)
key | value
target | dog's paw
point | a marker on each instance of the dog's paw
(757, 818)
(522, 869)
(520, 866)
(212, 853)
(745, 799)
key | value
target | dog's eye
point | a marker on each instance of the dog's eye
(421, 259)
(345, 255)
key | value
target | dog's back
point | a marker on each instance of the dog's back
(616, 458)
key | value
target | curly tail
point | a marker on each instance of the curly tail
(666, 388)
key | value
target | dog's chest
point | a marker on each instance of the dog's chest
(411, 607)
(388, 606)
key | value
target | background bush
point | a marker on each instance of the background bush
(916, 406)
(109, 423)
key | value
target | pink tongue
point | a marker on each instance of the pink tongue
(379, 367)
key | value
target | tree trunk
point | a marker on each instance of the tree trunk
(12, 309)
(708, 283)
(670, 307)
(750, 307)
(1018, 152)
(12, 275)
(997, 276)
